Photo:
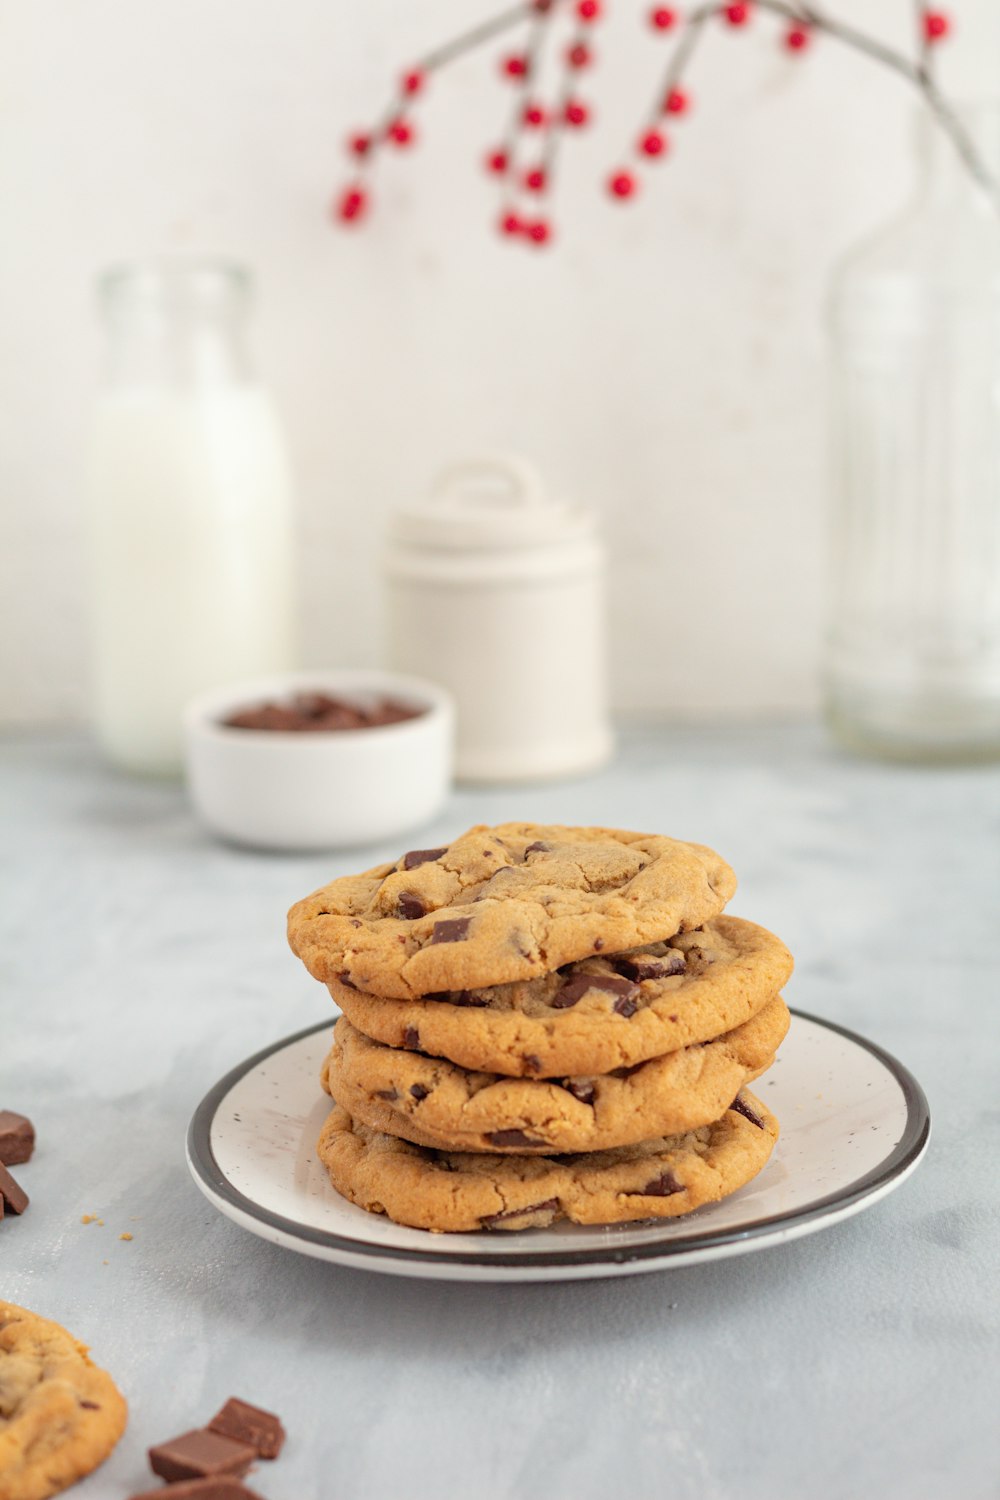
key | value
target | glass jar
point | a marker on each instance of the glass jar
(912, 665)
(190, 515)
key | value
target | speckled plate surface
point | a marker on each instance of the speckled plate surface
(854, 1125)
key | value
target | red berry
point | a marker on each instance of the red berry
(360, 145)
(497, 162)
(534, 180)
(936, 25)
(579, 55)
(588, 10)
(653, 143)
(661, 18)
(510, 224)
(622, 184)
(401, 132)
(676, 102)
(737, 15)
(534, 115)
(576, 112)
(351, 204)
(413, 81)
(797, 38)
(515, 66)
(540, 231)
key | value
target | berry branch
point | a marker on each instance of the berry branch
(803, 21)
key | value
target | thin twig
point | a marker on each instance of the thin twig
(515, 124)
(916, 73)
(476, 35)
(440, 56)
(557, 123)
(924, 46)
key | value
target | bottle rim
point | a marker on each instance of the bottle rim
(193, 282)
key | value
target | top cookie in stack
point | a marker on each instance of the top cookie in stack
(590, 961)
(503, 904)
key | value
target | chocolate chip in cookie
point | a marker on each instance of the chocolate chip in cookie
(417, 857)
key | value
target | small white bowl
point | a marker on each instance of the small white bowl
(316, 789)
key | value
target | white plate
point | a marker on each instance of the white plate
(854, 1125)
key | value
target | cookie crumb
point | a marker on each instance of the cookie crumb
(125, 1236)
(89, 1219)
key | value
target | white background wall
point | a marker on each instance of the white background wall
(665, 364)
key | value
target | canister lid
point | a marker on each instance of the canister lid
(490, 502)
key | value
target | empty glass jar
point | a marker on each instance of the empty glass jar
(912, 664)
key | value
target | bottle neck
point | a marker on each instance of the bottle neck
(949, 181)
(179, 325)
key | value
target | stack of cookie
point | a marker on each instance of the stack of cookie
(543, 1023)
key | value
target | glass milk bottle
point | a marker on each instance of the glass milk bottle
(913, 652)
(190, 513)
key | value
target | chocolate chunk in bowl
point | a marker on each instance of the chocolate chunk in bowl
(320, 713)
(320, 760)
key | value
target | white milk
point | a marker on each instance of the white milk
(192, 556)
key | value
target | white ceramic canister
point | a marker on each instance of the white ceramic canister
(496, 591)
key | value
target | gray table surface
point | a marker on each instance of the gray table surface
(141, 960)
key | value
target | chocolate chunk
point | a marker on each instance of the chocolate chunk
(626, 1006)
(598, 944)
(575, 989)
(250, 1424)
(411, 1039)
(346, 980)
(663, 1186)
(216, 1487)
(12, 1195)
(199, 1454)
(512, 1138)
(388, 1094)
(90, 1405)
(17, 1138)
(741, 1107)
(419, 1091)
(451, 931)
(491, 1220)
(537, 848)
(580, 1089)
(422, 857)
(462, 997)
(646, 966)
(409, 907)
(532, 1062)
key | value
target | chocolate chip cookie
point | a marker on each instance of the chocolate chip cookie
(60, 1416)
(434, 1103)
(458, 1191)
(601, 1013)
(498, 905)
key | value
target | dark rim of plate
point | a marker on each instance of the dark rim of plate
(905, 1151)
